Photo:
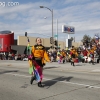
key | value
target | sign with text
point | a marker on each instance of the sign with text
(68, 29)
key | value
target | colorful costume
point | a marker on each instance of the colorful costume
(34, 69)
(40, 56)
(36, 58)
(39, 53)
(59, 57)
(73, 54)
(63, 54)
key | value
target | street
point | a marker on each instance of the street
(61, 82)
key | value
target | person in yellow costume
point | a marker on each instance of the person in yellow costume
(40, 56)
(73, 55)
(63, 54)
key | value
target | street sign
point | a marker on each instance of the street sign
(68, 29)
(55, 35)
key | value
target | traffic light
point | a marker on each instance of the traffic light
(26, 34)
(51, 40)
(51, 47)
(56, 43)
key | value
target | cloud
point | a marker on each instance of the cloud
(15, 9)
(83, 15)
(5, 0)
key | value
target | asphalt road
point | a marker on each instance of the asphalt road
(60, 82)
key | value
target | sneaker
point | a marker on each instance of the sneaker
(71, 63)
(32, 79)
(40, 85)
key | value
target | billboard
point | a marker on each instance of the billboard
(68, 29)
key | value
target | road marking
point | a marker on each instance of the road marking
(86, 85)
(17, 75)
(89, 86)
(78, 71)
(96, 70)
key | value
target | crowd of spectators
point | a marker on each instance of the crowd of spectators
(12, 56)
(81, 54)
(84, 54)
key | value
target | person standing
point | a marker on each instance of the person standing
(63, 55)
(73, 54)
(40, 56)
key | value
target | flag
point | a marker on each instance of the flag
(96, 38)
(34, 70)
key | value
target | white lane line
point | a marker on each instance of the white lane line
(17, 75)
(89, 86)
(96, 70)
(86, 85)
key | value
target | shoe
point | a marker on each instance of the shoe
(93, 64)
(40, 85)
(71, 63)
(32, 79)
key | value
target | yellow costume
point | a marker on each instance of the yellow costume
(39, 51)
(63, 54)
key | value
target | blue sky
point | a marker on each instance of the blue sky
(84, 15)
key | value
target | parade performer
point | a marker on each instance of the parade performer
(91, 54)
(34, 69)
(58, 57)
(73, 55)
(40, 56)
(63, 55)
(86, 54)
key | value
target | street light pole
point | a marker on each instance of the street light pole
(52, 23)
(52, 29)
(57, 32)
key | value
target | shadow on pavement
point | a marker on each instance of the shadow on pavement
(49, 83)
(8, 71)
(24, 86)
(78, 64)
(51, 67)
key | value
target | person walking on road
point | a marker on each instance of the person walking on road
(40, 56)
(74, 54)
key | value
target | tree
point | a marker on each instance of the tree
(86, 38)
(72, 38)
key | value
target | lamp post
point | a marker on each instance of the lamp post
(52, 23)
